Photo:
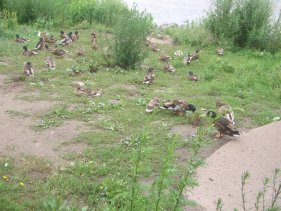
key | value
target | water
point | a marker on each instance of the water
(178, 11)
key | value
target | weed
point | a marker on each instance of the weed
(260, 197)
(61, 112)
(131, 29)
(47, 123)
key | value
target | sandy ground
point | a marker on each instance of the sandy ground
(258, 152)
(17, 138)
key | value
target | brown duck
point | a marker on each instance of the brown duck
(20, 39)
(169, 68)
(149, 78)
(223, 125)
(28, 70)
(50, 63)
(27, 52)
(192, 77)
(178, 106)
(154, 102)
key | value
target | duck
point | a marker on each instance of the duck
(150, 76)
(62, 34)
(154, 47)
(78, 84)
(94, 35)
(59, 52)
(164, 58)
(226, 111)
(28, 70)
(93, 93)
(192, 77)
(169, 68)
(154, 102)
(29, 52)
(20, 39)
(80, 52)
(55, 51)
(50, 63)
(223, 125)
(220, 51)
(178, 106)
(84, 91)
(94, 41)
(75, 36)
(191, 57)
(50, 39)
(66, 40)
(40, 44)
(47, 48)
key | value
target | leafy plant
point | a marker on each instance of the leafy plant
(9, 19)
(261, 195)
(245, 23)
(130, 32)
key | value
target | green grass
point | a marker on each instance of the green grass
(248, 80)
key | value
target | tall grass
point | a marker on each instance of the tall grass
(30, 10)
(191, 34)
(245, 23)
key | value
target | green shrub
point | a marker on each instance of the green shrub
(100, 11)
(130, 32)
(9, 19)
(30, 10)
(107, 11)
(245, 23)
(193, 34)
(82, 10)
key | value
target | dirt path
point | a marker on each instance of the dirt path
(258, 151)
(16, 135)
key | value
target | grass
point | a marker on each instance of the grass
(248, 80)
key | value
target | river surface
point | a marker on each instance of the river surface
(178, 11)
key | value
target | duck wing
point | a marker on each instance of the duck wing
(226, 127)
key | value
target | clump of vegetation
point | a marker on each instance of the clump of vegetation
(191, 34)
(246, 23)
(9, 19)
(261, 195)
(30, 10)
(130, 33)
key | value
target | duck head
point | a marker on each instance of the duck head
(24, 47)
(191, 107)
(212, 114)
(17, 36)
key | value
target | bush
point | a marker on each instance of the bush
(100, 11)
(82, 10)
(245, 23)
(130, 32)
(8, 19)
(193, 34)
(107, 11)
(30, 10)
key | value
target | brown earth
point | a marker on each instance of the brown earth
(17, 136)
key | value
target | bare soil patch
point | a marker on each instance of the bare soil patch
(161, 40)
(18, 139)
